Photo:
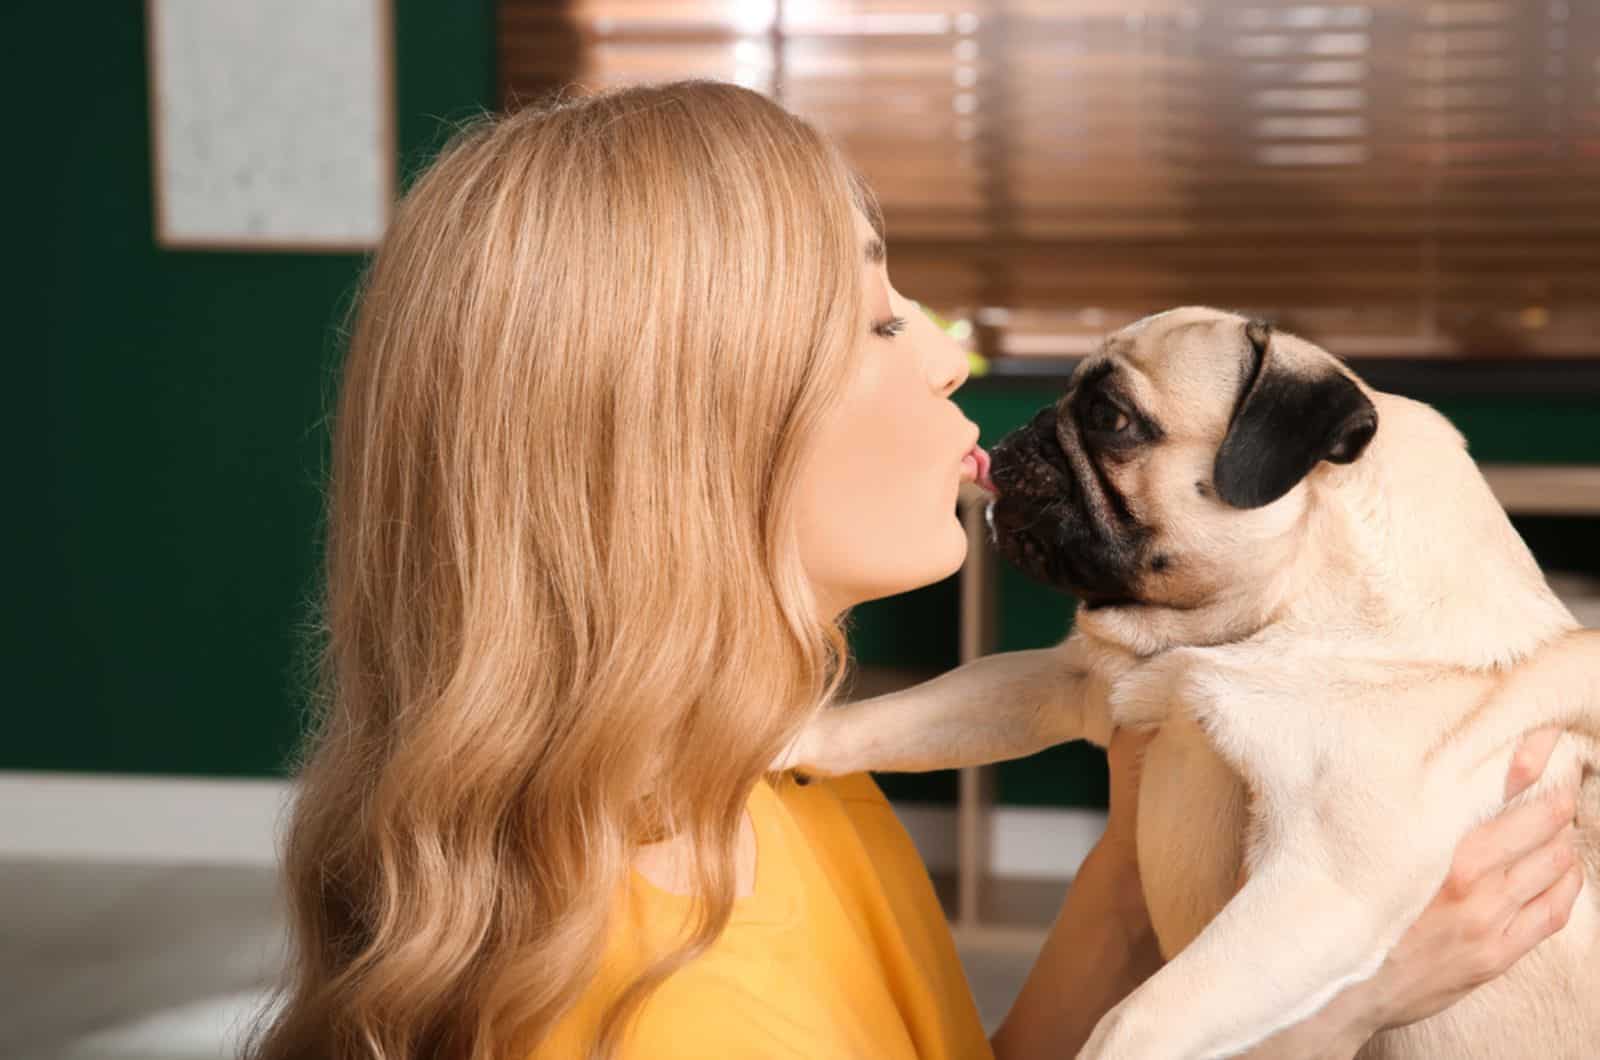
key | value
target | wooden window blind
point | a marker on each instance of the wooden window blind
(1392, 177)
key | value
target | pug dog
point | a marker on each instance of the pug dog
(1310, 590)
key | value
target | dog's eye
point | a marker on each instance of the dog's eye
(1103, 416)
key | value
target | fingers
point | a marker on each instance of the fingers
(1501, 840)
(1530, 876)
(1529, 761)
(1543, 916)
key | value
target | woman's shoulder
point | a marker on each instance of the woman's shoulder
(724, 1001)
(841, 941)
(695, 1014)
(851, 831)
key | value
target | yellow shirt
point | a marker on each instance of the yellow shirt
(840, 951)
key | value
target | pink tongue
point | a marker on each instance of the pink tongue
(983, 469)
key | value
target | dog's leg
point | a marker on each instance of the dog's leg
(994, 708)
(1293, 937)
(1340, 879)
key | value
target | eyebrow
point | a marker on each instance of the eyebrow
(1096, 374)
(875, 251)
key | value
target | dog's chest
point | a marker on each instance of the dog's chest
(1192, 823)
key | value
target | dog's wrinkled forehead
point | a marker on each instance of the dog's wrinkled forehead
(1184, 365)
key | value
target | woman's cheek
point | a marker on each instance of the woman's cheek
(902, 483)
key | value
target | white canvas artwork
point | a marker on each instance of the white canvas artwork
(272, 122)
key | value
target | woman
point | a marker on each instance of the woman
(631, 417)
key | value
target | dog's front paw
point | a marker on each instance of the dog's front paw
(814, 750)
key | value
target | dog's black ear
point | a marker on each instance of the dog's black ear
(1285, 424)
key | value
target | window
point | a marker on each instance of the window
(1391, 178)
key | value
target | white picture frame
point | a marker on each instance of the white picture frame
(272, 123)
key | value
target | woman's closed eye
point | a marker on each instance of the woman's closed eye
(888, 329)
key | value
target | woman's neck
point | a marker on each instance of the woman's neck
(669, 864)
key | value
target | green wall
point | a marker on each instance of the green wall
(168, 440)
(168, 415)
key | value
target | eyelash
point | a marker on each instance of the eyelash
(888, 329)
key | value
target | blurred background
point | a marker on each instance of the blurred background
(1415, 185)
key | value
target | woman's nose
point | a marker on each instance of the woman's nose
(948, 363)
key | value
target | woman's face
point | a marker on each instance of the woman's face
(877, 503)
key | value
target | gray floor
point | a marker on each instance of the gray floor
(129, 962)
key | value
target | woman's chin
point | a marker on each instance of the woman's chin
(948, 559)
(959, 544)
(946, 554)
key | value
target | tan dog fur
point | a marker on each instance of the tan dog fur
(1340, 679)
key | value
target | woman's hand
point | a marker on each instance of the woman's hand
(1512, 884)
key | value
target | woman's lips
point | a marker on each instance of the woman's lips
(975, 468)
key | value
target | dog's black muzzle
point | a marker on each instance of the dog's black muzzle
(1042, 519)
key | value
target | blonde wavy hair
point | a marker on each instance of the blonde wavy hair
(562, 610)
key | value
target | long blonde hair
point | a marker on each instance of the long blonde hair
(562, 602)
